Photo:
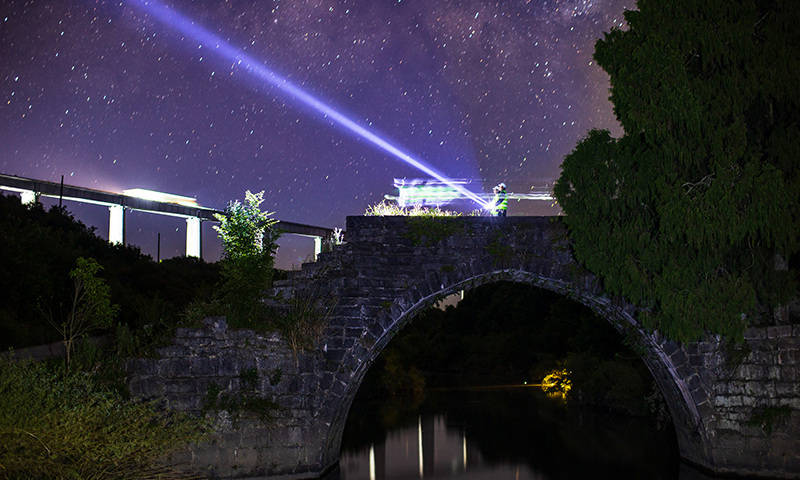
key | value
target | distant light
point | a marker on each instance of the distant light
(372, 463)
(431, 192)
(557, 383)
(426, 192)
(160, 197)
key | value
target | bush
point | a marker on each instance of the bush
(41, 247)
(63, 425)
(249, 240)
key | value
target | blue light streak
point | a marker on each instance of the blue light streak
(224, 49)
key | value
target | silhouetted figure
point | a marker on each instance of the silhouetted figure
(500, 201)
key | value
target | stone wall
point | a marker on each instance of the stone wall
(749, 400)
(253, 392)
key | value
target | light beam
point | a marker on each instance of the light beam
(224, 49)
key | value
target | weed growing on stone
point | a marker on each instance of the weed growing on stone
(239, 405)
(249, 378)
(500, 250)
(658, 407)
(447, 268)
(386, 305)
(427, 231)
(275, 377)
(305, 320)
(735, 353)
(336, 238)
(423, 228)
(386, 209)
(768, 417)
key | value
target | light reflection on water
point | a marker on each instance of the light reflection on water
(430, 451)
(511, 433)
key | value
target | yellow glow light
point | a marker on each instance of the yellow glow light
(557, 382)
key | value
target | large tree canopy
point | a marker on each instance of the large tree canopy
(693, 212)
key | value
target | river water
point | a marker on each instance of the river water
(515, 433)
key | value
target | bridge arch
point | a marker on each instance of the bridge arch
(426, 292)
(393, 267)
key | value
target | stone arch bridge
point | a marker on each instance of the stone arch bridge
(733, 413)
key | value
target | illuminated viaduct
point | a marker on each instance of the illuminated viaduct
(389, 270)
(145, 201)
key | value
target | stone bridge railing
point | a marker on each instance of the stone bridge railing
(732, 413)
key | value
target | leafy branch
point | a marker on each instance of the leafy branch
(91, 306)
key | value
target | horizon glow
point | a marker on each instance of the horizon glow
(188, 27)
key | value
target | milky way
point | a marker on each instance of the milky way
(106, 95)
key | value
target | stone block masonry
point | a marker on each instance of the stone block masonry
(254, 391)
(748, 401)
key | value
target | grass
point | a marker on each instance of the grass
(385, 209)
(57, 424)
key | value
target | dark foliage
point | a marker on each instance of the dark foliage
(693, 213)
(508, 333)
(39, 249)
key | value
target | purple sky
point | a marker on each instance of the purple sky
(112, 98)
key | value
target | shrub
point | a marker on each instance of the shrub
(249, 239)
(63, 425)
(91, 306)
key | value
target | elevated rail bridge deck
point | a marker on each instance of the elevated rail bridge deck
(31, 189)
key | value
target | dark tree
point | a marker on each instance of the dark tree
(39, 248)
(693, 213)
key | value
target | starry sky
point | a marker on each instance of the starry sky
(110, 96)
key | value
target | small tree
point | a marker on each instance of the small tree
(249, 240)
(91, 305)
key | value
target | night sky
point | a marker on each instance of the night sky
(112, 98)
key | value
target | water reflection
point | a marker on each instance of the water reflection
(511, 433)
(430, 451)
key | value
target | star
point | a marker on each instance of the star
(109, 96)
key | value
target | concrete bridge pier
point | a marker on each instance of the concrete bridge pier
(116, 224)
(116, 230)
(194, 247)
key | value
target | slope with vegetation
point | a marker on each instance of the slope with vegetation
(68, 424)
(72, 418)
(40, 249)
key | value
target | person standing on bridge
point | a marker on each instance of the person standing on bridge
(500, 201)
